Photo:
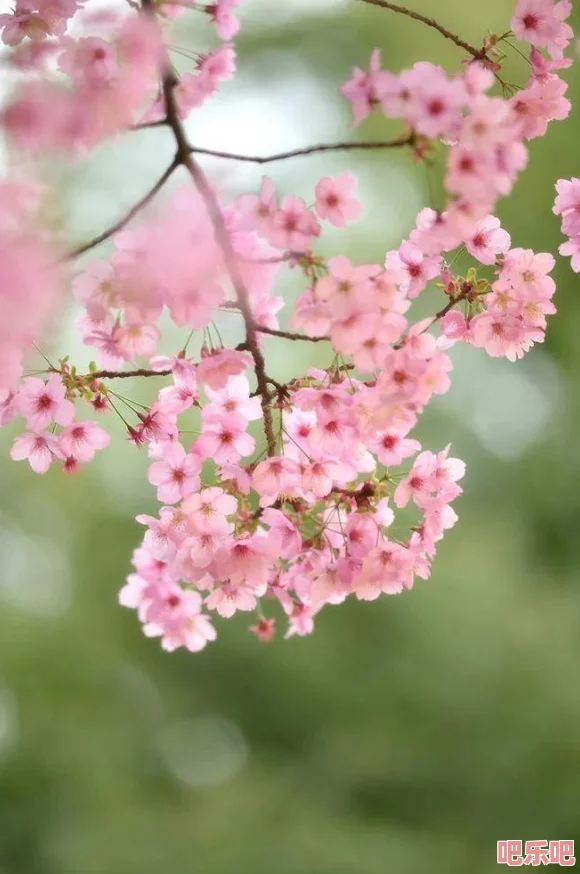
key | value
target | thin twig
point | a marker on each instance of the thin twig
(113, 374)
(449, 306)
(289, 335)
(478, 54)
(400, 142)
(463, 295)
(125, 374)
(145, 125)
(120, 224)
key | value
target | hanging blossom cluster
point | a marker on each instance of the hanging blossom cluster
(335, 497)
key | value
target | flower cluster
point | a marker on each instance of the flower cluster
(289, 496)
(104, 82)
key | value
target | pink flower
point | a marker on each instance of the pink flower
(275, 476)
(527, 273)
(226, 24)
(347, 288)
(541, 102)
(361, 535)
(215, 368)
(454, 325)
(542, 67)
(176, 475)
(208, 510)
(135, 340)
(43, 402)
(175, 615)
(427, 475)
(238, 475)
(419, 268)
(247, 560)
(388, 568)
(175, 399)
(489, 241)
(265, 630)
(335, 199)
(367, 90)
(89, 61)
(7, 407)
(195, 558)
(194, 632)
(432, 234)
(391, 448)
(228, 599)
(193, 304)
(96, 289)
(36, 20)
(567, 204)
(311, 315)
(572, 248)
(541, 23)
(471, 173)
(81, 440)
(258, 210)
(435, 103)
(233, 398)
(38, 449)
(218, 65)
(165, 533)
(293, 226)
(286, 533)
(301, 621)
(225, 439)
(319, 477)
(498, 335)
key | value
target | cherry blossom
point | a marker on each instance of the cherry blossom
(335, 199)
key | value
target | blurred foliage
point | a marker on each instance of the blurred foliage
(406, 735)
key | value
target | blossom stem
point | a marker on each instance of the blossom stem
(478, 54)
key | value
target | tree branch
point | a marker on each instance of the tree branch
(222, 237)
(120, 224)
(125, 374)
(307, 150)
(288, 335)
(478, 54)
(146, 125)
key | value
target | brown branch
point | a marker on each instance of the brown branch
(145, 125)
(449, 306)
(222, 237)
(124, 374)
(120, 224)
(308, 150)
(478, 54)
(463, 295)
(112, 374)
(288, 335)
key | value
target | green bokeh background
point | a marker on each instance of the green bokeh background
(407, 735)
